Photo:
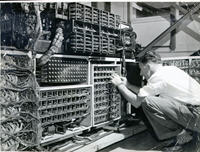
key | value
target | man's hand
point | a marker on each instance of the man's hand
(124, 80)
(117, 80)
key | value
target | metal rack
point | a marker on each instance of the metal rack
(91, 39)
(92, 15)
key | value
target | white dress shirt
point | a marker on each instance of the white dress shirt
(172, 83)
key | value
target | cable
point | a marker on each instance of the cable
(55, 45)
(18, 96)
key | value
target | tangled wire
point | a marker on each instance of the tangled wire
(18, 99)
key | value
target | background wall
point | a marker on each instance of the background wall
(120, 8)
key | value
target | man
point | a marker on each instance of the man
(170, 99)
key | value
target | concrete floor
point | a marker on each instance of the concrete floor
(145, 142)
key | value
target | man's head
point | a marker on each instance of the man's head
(148, 64)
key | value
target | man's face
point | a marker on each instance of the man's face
(127, 40)
(145, 70)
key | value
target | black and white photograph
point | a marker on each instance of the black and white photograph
(99, 76)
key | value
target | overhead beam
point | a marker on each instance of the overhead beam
(134, 5)
(174, 13)
(168, 30)
(184, 11)
(159, 5)
(148, 9)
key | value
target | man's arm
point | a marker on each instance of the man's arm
(133, 88)
(129, 95)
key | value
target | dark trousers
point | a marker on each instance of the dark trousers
(169, 117)
(140, 114)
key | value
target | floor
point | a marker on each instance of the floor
(145, 142)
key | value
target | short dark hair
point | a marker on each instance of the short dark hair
(149, 56)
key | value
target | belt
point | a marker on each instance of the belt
(195, 109)
(190, 105)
